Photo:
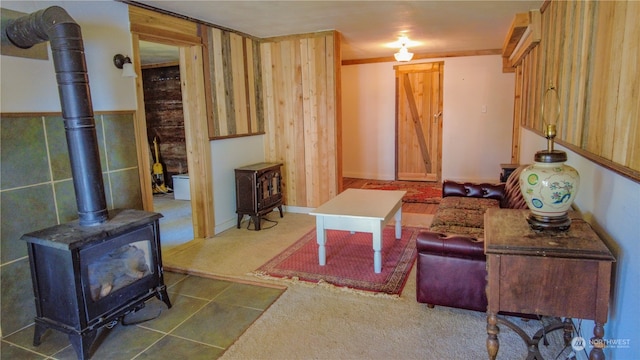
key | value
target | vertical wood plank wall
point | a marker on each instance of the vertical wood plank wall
(589, 51)
(234, 89)
(301, 78)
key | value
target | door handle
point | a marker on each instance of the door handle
(436, 116)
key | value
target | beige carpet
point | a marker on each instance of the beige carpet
(322, 322)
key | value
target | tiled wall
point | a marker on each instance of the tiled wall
(36, 192)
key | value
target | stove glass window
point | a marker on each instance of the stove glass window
(119, 267)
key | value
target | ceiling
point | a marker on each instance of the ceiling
(370, 29)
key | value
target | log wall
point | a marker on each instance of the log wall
(165, 119)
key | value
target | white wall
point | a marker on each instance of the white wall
(475, 143)
(368, 121)
(227, 155)
(29, 85)
(611, 203)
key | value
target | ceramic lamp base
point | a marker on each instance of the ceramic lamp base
(551, 223)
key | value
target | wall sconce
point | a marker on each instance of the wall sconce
(124, 63)
(403, 55)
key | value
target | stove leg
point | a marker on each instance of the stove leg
(82, 343)
(37, 333)
(164, 297)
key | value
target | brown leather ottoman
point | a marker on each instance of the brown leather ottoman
(451, 271)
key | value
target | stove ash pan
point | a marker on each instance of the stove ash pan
(87, 277)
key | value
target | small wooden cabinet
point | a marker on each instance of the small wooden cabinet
(559, 274)
(258, 191)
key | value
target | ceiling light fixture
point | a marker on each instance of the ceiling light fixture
(403, 54)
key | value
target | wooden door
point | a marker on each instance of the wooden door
(418, 121)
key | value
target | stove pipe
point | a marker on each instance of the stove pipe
(55, 25)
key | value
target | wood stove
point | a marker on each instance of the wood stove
(87, 277)
(90, 272)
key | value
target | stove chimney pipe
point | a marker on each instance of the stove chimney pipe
(55, 25)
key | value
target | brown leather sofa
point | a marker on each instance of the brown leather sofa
(451, 268)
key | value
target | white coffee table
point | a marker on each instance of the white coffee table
(359, 210)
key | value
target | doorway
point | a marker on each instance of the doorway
(160, 73)
(419, 121)
(195, 126)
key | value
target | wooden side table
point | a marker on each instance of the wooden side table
(558, 274)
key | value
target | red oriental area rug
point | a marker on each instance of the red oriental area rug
(349, 260)
(417, 192)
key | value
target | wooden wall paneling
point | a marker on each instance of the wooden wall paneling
(530, 69)
(567, 64)
(257, 78)
(613, 82)
(207, 55)
(579, 75)
(228, 95)
(310, 120)
(606, 78)
(236, 84)
(298, 152)
(267, 68)
(625, 145)
(433, 122)
(439, 120)
(140, 128)
(551, 69)
(526, 109)
(287, 98)
(538, 83)
(192, 71)
(217, 85)
(334, 104)
(630, 100)
(589, 52)
(530, 78)
(238, 88)
(251, 96)
(517, 116)
(299, 84)
(325, 120)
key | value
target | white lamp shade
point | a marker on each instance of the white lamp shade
(403, 54)
(127, 70)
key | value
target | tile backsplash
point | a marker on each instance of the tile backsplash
(36, 191)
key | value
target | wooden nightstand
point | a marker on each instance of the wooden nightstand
(558, 274)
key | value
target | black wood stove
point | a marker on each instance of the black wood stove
(91, 272)
(86, 277)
